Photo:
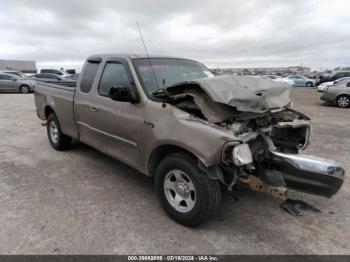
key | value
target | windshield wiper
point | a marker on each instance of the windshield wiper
(161, 93)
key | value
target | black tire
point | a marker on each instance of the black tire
(62, 141)
(343, 101)
(24, 89)
(309, 84)
(207, 192)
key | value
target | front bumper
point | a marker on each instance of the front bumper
(308, 174)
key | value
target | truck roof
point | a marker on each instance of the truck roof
(132, 56)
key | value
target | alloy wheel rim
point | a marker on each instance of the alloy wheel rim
(53, 132)
(343, 101)
(25, 89)
(180, 191)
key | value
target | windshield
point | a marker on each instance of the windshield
(168, 71)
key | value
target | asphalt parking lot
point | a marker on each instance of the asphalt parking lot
(83, 202)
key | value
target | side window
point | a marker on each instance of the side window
(114, 74)
(6, 77)
(57, 72)
(54, 77)
(47, 76)
(88, 76)
(340, 75)
(2, 77)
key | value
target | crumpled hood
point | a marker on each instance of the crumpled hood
(245, 93)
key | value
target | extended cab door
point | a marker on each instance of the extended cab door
(110, 126)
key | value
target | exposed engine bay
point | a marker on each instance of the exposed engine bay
(268, 136)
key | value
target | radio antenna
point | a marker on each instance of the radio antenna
(148, 58)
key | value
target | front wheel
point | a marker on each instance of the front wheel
(186, 194)
(58, 140)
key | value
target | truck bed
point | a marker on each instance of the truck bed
(58, 98)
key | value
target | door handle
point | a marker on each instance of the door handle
(93, 109)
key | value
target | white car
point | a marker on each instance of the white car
(322, 87)
(280, 79)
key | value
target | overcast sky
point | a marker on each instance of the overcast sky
(234, 33)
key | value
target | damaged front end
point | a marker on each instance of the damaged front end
(272, 164)
(267, 135)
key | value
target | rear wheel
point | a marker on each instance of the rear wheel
(24, 89)
(343, 101)
(187, 195)
(58, 140)
(309, 84)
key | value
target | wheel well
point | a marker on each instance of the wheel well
(48, 111)
(342, 95)
(161, 152)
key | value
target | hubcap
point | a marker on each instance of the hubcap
(53, 132)
(179, 191)
(25, 89)
(343, 101)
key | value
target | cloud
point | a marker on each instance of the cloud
(218, 33)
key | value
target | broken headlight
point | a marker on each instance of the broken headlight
(242, 155)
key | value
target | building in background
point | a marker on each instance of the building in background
(25, 66)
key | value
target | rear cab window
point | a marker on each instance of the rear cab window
(89, 75)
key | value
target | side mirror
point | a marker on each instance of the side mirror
(122, 94)
(348, 84)
(14, 79)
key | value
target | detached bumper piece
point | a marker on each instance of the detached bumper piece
(294, 207)
(308, 174)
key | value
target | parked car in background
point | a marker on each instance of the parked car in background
(280, 79)
(300, 80)
(13, 72)
(47, 77)
(52, 71)
(71, 71)
(332, 77)
(339, 94)
(322, 87)
(73, 77)
(52, 78)
(14, 83)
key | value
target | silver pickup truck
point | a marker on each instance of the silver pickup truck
(195, 133)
